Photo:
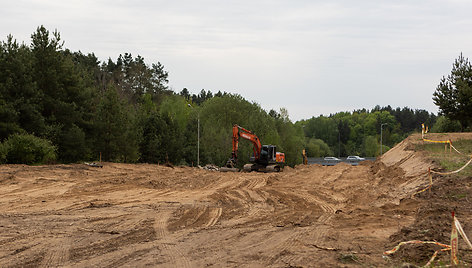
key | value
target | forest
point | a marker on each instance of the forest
(61, 106)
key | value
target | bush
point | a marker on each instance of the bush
(371, 146)
(3, 153)
(444, 124)
(29, 149)
(317, 148)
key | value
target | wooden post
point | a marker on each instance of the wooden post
(430, 180)
(422, 131)
(454, 243)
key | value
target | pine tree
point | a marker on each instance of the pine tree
(453, 95)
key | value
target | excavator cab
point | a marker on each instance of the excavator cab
(267, 155)
(273, 157)
(269, 160)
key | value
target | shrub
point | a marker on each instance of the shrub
(317, 148)
(444, 124)
(29, 149)
(371, 146)
(3, 153)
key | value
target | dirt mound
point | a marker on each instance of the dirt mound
(433, 217)
(150, 215)
(402, 170)
(405, 156)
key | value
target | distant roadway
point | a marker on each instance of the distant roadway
(319, 160)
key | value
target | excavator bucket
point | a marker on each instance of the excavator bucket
(230, 166)
(226, 169)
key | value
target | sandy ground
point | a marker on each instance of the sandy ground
(148, 215)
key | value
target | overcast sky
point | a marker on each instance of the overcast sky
(311, 57)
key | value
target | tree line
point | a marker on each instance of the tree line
(359, 132)
(62, 106)
(57, 105)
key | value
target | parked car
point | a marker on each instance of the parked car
(330, 161)
(354, 159)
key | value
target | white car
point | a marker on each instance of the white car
(330, 161)
(354, 159)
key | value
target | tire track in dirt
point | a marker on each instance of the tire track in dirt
(129, 257)
(215, 214)
(325, 206)
(167, 242)
(330, 201)
(242, 198)
(256, 182)
(10, 240)
(284, 250)
(297, 241)
(57, 255)
(141, 231)
(253, 199)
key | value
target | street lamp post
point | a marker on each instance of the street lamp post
(381, 125)
(339, 143)
(198, 136)
(198, 139)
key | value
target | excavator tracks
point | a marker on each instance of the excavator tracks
(227, 169)
(261, 168)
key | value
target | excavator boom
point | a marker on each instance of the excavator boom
(248, 135)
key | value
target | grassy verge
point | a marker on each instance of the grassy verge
(450, 160)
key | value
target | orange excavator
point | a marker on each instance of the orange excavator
(265, 158)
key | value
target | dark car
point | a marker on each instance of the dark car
(330, 161)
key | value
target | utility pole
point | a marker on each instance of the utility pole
(198, 139)
(339, 143)
(381, 125)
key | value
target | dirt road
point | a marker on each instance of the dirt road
(148, 215)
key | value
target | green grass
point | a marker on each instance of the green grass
(458, 196)
(348, 258)
(450, 161)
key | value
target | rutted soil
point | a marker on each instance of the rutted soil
(148, 215)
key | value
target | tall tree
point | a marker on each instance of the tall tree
(453, 95)
(160, 142)
(20, 100)
(135, 78)
(65, 93)
(115, 132)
